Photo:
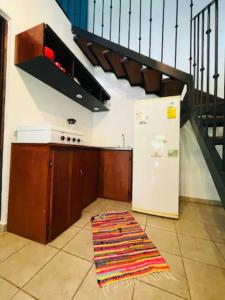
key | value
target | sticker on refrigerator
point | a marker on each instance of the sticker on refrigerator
(173, 153)
(171, 112)
(142, 118)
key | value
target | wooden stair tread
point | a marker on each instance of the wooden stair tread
(82, 43)
(98, 53)
(218, 140)
(171, 87)
(152, 80)
(114, 61)
(133, 72)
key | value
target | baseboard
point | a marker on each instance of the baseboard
(3, 227)
(201, 201)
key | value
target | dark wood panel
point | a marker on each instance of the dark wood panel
(34, 41)
(76, 187)
(171, 87)
(90, 176)
(29, 192)
(152, 80)
(97, 51)
(60, 191)
(3, 62)
(114, 60)
(82, 43)
(133, 72)
(115, 176)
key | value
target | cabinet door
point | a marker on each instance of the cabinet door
(75, 199)
(60, 191)
(90, 176)
(115, 178)
(29, 191)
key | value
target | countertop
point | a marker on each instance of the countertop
(78, 146)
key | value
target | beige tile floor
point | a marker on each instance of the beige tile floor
(193, 246)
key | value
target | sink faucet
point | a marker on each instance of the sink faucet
(123, 136)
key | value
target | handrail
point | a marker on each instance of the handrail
(204, 9)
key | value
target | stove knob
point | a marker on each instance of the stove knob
(78, 140)
(68, 139)
(74, 140)
(62, 138)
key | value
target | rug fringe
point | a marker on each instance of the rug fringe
(147, 278)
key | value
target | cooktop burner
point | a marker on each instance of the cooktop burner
(49, 134)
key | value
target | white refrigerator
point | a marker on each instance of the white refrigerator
(156, 156)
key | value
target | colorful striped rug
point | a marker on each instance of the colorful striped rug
(122, 250)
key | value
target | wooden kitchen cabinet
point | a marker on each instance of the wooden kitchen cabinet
(115, 174)
(50, 184)
(90, 172)
(45, 191)
(29, 209)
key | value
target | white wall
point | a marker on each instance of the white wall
(195, 179)
(29, 101)
(109, 126)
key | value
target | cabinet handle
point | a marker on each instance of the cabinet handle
(81, 172)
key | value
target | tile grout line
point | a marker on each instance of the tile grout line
(188, 285)
(132, 297)
(29, 242)
(154, 227)
(214, 243)
(40, 269)
(164, 290)
(62, 250)
(89, 270)
(25, 292)
(66, 242)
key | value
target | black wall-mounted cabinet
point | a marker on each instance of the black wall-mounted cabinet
(76, 83)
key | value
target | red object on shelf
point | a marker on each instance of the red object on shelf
(49, 53)
(63, 70)
(58, 64)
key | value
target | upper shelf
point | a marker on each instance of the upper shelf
(77, 82)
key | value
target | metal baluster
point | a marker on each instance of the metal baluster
(86, 15)
(176, 29)
(208, 32)
(223, 155)
(119, 22)
(103, 5)
(202, 63)
(74, 15)
(80, 13)
(194, 64)
(216, 75)
(150, 29)
(67, 7)
(93, 30)
(140, 8)
(110, 28)
(198, 52)
(129, 24)
(191, 28)
(163, 21)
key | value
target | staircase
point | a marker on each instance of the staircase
(123, 63)
(204, 109)
(151, 75)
